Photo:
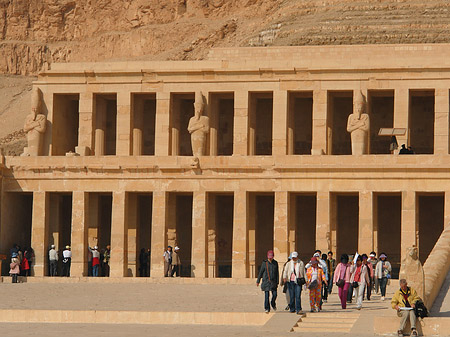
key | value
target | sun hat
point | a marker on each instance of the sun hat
(383, 255)
(176, 248)
(294, 254)
(270, 254)
(67, 247)
(316, 255)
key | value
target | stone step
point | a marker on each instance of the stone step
(330, 320)
(320, 329)
(327, 315)
(325, 324)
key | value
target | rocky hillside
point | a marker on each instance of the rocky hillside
(34, 34)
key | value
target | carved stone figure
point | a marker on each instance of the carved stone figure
(411, 269)
(35, 126)
(198, 127)
(358, 125)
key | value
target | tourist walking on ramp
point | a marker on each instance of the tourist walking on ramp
(315, 277)
(167, 257)
(359, 280)
(366, 262)
(67, 259)
(285, 284)
(95, 260)
(53, 260)
(331, 266)
(383, 273)
(324, 297)
(404, 301)
(373, 261)
(14, 267)
(341, 278)
(294, 274)
(176, 262)
(268, 272)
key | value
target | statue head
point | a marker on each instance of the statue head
(199, 104)
(413, 252)
(360, 104)
(36, 101)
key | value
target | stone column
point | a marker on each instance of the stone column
(132, 235)
(162, 134)
(446, 209)
(119, 231)
(401, 114)
(137, 116)
(199, 257)
(323, 230)
(80, 216)
(441, 121)
(86, 127)
(240, 236)
(279, 133)
(240, 132)
(409, 225)
(281, 227)
(319, 132)
(213, 114)
(100, 126)
(123, 133)
(365, 237)
(39, 232)
(159, 223)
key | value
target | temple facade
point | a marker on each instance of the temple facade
(291, 158)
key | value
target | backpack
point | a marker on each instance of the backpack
(420, 309)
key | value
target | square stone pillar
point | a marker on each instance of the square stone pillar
(441, 121)
(446, 209)
(159, 223)
(199, 257)
(240, 131)
(323, 230)
(123, 132)
(409, 224)
(279, 133)
(85, 128)
(132, 234)
(365, 233)
(319, 122)
(401, 114)
(162, 124)
(240, 235)
(39, 232)
(281, 227)
(80, 216)
(119, 231)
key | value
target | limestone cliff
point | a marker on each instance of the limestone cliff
(34, 34)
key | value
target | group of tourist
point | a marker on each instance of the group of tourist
(21, 262)
(354, 276)
(172, 261)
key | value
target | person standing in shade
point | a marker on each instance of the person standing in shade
(106, 258)
(14, 267)
(95, 260)
(143, 263)
(315, 277)
(383, 273)
(67, 259)
(53, 260)
(360, 279)
(167, 257)
(295, 270)
(341, 278)
(331, 266)
(176, 262)
(270, 279)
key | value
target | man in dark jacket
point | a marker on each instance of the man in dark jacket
(269, 274)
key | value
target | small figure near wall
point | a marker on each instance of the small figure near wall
(198, 127)
(358, 125)
(35, 126)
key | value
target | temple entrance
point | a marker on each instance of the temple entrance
(381, 112)
(221, 114)
(421, 121)
(179, 231)
(260, 123)
(99, 231)
(60, 223)
(261, 207)
(16, 220)
(65, 123)
(347, 223)
(305, 224)
(181, 110)
(105, 113)
(388, 227)
(220, 234)
(340, 106)
(431, 222)
(144, 117)
(300, 109)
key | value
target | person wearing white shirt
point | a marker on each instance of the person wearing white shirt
(53, 259)
(294, 271)
(67, 258)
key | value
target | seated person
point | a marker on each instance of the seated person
(403, 299)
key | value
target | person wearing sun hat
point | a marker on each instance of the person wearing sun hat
(67, 258)
(293, 273)
(383, 273)
(268, 272)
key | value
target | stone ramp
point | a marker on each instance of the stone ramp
(441, 306)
